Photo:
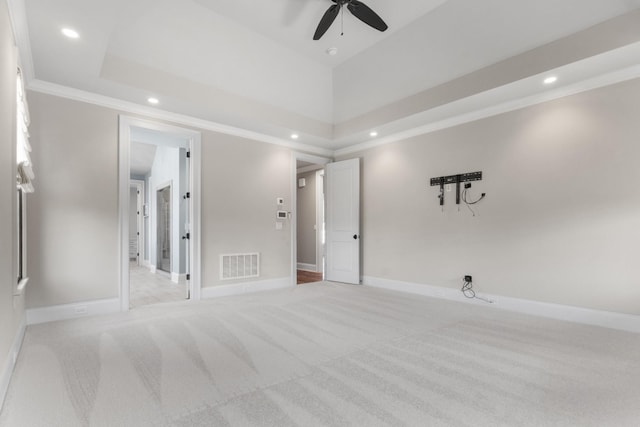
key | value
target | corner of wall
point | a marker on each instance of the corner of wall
(10, 363)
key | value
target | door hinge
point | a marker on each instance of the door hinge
(188, 154)
(138, 233)
(188, 277)
(187, 196)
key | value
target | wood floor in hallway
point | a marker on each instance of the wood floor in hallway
(308, 277)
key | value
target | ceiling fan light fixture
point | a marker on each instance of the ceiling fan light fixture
(373, 134)
(295, 136)
(357, 9)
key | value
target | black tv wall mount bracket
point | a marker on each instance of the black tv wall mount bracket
(454, 179)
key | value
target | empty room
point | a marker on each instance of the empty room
(319, 213)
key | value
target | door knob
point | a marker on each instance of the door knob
(355, 237)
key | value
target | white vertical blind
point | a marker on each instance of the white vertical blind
(25, 169)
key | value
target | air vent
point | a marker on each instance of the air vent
(239, 266)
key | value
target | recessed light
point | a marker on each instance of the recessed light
(294, 136)
(332, 51)
(153, 101)
(550, 80)
(373, 134)
(72, 34)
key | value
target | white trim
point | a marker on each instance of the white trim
(12, 357)
(320, 220)
(139, 185)
(20, 27)
(246, 287)
(307, 267)
(153, 223)
(132, 108)
(72, 311)
(606, 319)
(21, 286)
(494, 110)
(309, 168)
(195, 143)
(178, 278)
(157, 114)
(295, 156)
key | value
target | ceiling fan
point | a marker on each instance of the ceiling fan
(357, 8)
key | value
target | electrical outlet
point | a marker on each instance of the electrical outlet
(468, 279)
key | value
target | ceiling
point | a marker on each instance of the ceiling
(251, 67)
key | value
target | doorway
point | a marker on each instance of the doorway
(136, 222)
(163, 231)
(308, 227)
(166, 160)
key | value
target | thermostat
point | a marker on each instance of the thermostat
(281, 214)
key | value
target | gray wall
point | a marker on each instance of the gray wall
(73, 215)
(75, 207)
(306, 221)
(241, 180)
(561, 220)
(11, 308)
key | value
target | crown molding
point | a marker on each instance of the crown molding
(608, 79)
(494, 110)
(18, 16)
(154, 113)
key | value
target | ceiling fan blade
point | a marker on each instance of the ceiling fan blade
(366, 15)
(326, 21)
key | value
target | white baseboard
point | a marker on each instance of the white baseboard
(145, 263)
(178, 278)
(152, 268)
(10, 364)
(72, 311)
(307, 267)
(246, 287)
(607, 319)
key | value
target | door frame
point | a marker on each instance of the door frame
(124, 161)
(320, 220)
(139, 185)
(295, 156)
(156, 221)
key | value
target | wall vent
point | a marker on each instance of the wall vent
(239, 266)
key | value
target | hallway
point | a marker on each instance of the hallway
(147, 288)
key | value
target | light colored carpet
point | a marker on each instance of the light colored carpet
(324, 355)
(147, 288)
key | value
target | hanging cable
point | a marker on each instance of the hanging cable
(467, 291)
(468, 203)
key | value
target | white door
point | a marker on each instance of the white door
(343, 221)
